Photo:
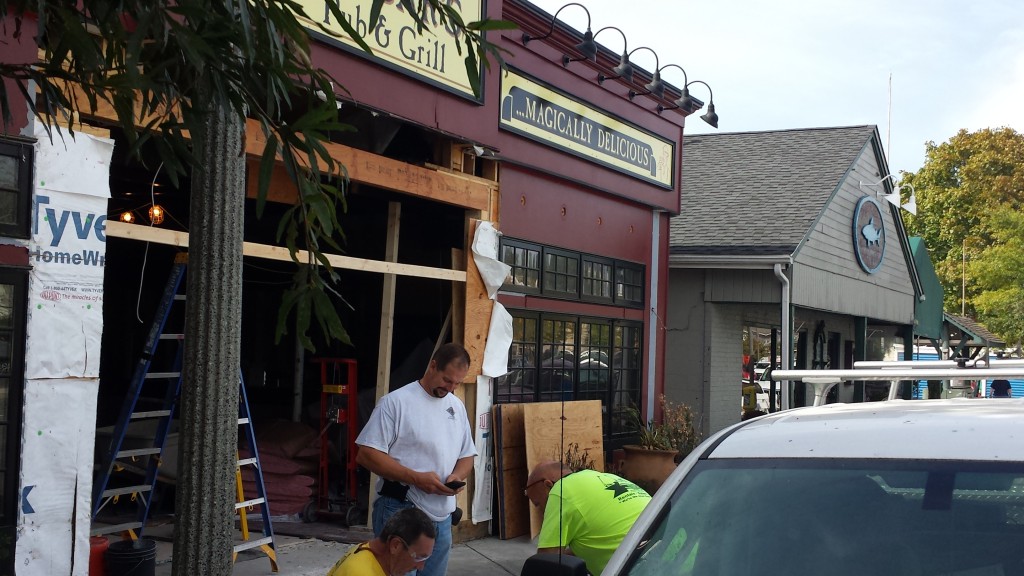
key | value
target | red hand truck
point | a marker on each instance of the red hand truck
(339, 406)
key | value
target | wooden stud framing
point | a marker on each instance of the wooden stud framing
(117, 229)
(387, 306)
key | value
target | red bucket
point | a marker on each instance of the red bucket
(97, 549)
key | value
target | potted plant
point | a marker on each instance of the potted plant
(660, 446)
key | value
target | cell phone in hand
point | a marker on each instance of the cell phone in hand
(455, 484)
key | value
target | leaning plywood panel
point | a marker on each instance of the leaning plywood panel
(510, 448)
(552, 427)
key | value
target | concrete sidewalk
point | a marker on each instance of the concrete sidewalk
(314, 557)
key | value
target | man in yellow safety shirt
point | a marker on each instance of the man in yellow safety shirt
(594, 511)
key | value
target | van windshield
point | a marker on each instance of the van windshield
(770, 517)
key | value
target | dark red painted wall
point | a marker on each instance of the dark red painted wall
(16, 51)
(11, 255)
(551, 211)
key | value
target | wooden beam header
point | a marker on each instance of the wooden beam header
(457, 189)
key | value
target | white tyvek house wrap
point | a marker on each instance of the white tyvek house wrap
(495, 363)
(56, 477)
(67, 252)
(62, 352)
(499, 339)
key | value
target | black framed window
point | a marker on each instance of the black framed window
(13, 303)
(594, 359)
(561, 273)
(597, 279)
(576, 358)
(557, 376)
(629, 284)
(525, 262)
(569, 275)
(16, 157)
(519, 385)
(627, 371)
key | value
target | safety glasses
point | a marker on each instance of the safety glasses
(415, 558)
(531, 485)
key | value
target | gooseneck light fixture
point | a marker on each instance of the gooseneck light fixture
(624, 70)
(896, 197)
(710, 116)
(685, 102)
(911, 205)
(655, 87)
(587, 47)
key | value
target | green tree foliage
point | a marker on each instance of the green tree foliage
(970, 192)
(148, 60)
(998, 276)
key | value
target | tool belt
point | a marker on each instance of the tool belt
(393, 489)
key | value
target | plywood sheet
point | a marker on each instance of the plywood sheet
(548, 436)
(477, 310)
(510, 452)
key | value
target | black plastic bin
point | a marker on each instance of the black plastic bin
(132, 558)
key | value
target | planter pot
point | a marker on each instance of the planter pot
(647, 469)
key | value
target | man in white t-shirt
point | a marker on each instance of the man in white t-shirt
(418, 440)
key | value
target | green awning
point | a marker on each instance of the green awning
(928, 314)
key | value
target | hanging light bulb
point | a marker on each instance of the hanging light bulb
(127, 216)
(156, 214)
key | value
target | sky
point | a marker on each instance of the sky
(821, 63)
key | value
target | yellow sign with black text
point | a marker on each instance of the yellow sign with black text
(430, 55)
(543, 114)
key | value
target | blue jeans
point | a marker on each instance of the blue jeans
(437, 565)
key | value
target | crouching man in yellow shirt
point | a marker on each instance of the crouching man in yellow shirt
(404, 544)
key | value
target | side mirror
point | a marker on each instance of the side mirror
(549, 564)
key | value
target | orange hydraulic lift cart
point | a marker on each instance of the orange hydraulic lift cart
(339, 406)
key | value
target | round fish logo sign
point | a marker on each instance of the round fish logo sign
(868, 234)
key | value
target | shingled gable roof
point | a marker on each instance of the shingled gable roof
(757, 194)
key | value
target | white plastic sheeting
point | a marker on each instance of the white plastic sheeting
(56, 477)
(67, 251)
(485, 255)
(495, 363)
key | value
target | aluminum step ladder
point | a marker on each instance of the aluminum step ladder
(265, 542)
(167, 386)
(164, 385)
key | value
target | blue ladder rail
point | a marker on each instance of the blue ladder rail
(266, 541)
(115, 454)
